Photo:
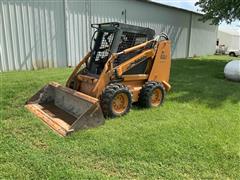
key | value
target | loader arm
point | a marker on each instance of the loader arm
(131, 62)
(108, 69)
(77, 68)
(161, 61)
(104, 78)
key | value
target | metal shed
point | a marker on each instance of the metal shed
(230, 37)
(46, 34)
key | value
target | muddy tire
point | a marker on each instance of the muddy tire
(152, 94)
(116, 100)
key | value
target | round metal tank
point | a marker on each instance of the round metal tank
(232, 70)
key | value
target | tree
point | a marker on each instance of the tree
(219, 10)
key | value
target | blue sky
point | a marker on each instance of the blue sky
(189, 4)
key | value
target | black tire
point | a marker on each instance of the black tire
(107, 99)
(146, 93)
(232, 54)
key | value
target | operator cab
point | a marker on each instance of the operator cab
(111, 38)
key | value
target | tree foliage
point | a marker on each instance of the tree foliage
(220, 10)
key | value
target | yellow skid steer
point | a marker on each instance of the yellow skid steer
(126, 64)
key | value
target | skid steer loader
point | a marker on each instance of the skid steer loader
(126, 64)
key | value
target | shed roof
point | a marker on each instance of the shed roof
(173, 7)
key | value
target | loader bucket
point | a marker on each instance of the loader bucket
(65, 110)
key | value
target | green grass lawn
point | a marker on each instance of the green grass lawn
(195, 134)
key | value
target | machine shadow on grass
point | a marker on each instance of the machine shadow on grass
(202, 82)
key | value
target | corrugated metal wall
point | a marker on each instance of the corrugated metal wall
(229, 39)
(39, 34)
(32, 35)
(77, 28)
(147, 15)
(203, 37)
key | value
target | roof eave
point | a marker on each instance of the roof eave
(168, 6)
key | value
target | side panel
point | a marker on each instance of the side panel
(162, 63)
(134, 86)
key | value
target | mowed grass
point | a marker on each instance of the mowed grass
(195, 134)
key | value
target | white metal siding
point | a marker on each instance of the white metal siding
(231, 41)
(77, 30)
(32, 35)
(173, 22)
(40, 34)
(203, 38)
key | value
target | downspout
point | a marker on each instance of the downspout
(125, 16)
(124, 12)
(65, 19)
(90, 19)
(189, 36)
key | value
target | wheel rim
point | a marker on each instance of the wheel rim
(120, 103)
(156, 97)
